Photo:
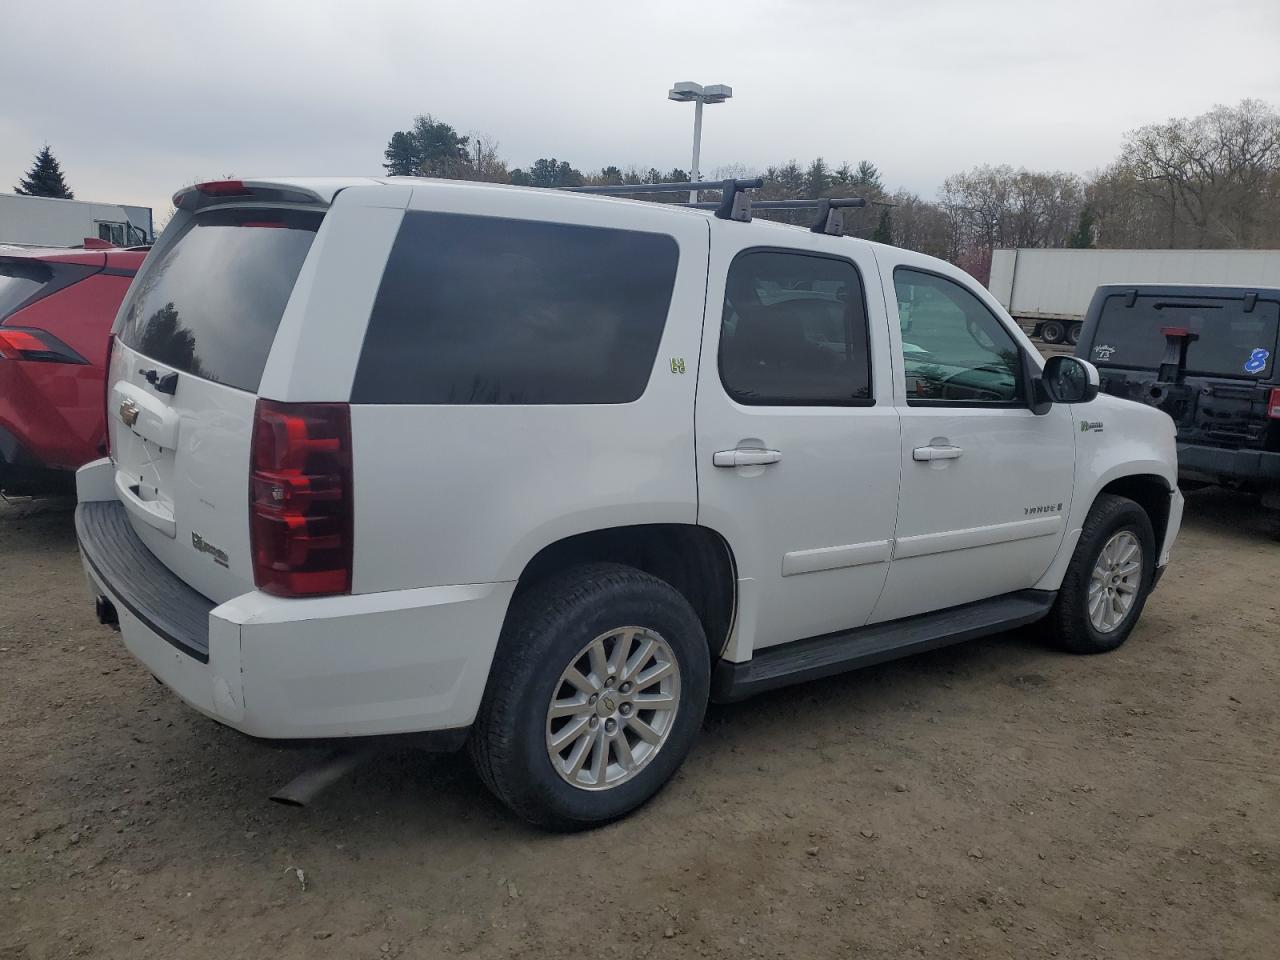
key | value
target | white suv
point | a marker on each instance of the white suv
(542, 473)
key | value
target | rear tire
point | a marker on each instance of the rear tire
(1103, 593)
(1052, 332)
(1073, 333)
(574, 731)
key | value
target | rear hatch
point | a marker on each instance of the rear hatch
(1221, 396)
(192, 341)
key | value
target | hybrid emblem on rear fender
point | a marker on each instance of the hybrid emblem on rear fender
(128, 412)
(203, 546)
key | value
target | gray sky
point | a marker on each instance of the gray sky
(138, 99)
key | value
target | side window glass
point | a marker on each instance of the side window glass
(485, 310)
(953, 347)
(794, 331)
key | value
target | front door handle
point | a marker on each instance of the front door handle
(936, 452)
(748, 457)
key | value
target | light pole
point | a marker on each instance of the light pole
(687, 91)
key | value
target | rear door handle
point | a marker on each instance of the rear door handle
(932, 452)
(748, 457)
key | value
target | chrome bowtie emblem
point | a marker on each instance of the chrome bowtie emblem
(129, 412)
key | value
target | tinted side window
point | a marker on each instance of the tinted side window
(953, 347)
(794, 331)
(484, 310)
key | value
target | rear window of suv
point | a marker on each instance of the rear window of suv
(1230, 340)
(211, 304)
(487, 310)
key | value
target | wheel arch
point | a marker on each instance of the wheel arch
(1143, 484)
(1149, 491)
(695, 560)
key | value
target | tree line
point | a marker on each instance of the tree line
(1211, 181)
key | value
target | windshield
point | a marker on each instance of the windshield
(1230, 341)
(211, 305)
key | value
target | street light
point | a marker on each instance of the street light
(687, 91)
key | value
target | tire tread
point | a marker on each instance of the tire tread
(491, 744)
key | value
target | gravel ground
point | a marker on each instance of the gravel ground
(991, 800)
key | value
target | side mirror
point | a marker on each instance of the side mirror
(1070, 380)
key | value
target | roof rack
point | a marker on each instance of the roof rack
(830, 219)
(736, 203)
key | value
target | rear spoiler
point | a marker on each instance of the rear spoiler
(213, 192)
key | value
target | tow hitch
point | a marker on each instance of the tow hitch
(106, 612)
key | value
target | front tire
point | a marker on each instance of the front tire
(596, 694)
(1052, 332)
(1108, 580)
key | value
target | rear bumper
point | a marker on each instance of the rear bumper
(1219, 463)
(400, 662)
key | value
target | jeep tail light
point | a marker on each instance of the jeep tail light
(300, 501)
(1273, 404)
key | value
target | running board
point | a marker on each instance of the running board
(834, 653)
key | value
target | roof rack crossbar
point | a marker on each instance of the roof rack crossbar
(831, 210)
(677, 186)
(734, 202)
(830, 219)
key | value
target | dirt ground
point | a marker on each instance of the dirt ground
(991, 800)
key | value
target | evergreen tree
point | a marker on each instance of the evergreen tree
(44, 179)
(884, 229)
(817, 178)
(548, 172)
(432, 148)
(1082, 236)
(402, 156)
(867, 175)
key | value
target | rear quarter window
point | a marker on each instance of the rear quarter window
(24, 280)
(486, 310)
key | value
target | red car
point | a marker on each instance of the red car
(56, 310)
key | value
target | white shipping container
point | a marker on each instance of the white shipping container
(1036, 285)
(51, 222)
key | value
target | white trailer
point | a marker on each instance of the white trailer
(51, 222)
(1048, 291)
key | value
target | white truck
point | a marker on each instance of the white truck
(401, 456)
(53, 222)
(1048, 291)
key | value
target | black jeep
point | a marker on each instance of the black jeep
(1206, 356)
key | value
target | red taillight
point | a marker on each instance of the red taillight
(26, 343)
(1273, 404)
(15, 343)
(224, 188)
(300, 500)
